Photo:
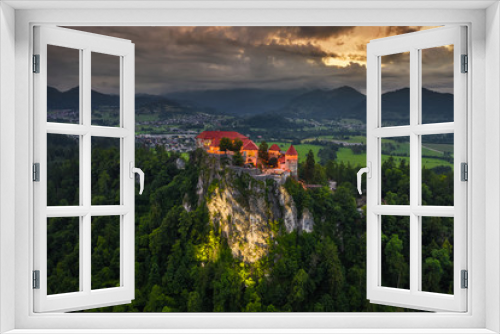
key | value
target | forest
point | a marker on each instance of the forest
(184, 264)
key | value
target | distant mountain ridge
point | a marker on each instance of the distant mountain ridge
(70, 99)
(342, 102)
(241, 101)
(436, 107)
(144, 103)
(335, 104)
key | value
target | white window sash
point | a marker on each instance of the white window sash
(414, 297)
(86, 43)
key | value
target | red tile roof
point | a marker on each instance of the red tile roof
(275, 147)
(220, 134)
(291, 151)
(250, 146)
(215, 142)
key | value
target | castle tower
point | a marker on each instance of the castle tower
(250, 152)
(291, 161)
(274, 151)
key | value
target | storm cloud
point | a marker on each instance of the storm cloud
(170, 59)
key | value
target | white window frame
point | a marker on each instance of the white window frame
(484, 102)
(123, 50)
(413, 43)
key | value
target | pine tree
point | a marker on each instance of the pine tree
(309, 167)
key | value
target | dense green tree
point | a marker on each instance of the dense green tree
(238, 159)
(396, 263)
(236, 145)
(273, 162)
(263, 153)
(309, 167)
(225, 144)
(184, 263)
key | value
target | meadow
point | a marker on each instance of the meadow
(346, 155)
(302, 149)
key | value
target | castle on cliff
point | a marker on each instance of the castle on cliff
(285, 161)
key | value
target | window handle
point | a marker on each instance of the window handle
(368, 171)
(134, 170)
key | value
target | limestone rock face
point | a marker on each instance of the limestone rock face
(180, 163)
(243, 208)
(306, 223)
(289, 210)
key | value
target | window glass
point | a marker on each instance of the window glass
(396, 170)
(105, 171)
(105, 256)
(63, 85)
(63, 170)
(105, 89)
(395, 80)
(395, 253)
(437, 170)
(63, 255)
(437, 254)
(437, 84)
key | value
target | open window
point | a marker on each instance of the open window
(72, 211)
(420, 130)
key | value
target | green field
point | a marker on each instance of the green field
(355, 139)
(302, 149)
(440, 147)
(346, 155)
(350, 121)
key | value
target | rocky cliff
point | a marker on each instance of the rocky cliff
(244, 209)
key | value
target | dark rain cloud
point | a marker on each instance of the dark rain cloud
(193, 58)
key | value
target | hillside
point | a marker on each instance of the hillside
(239, 102)
(144, 103)
(255, 105)
(337, 103)
(346, 102)
(436, 107)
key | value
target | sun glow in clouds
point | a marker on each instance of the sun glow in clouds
(340, 62)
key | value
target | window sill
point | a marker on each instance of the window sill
(249, 331)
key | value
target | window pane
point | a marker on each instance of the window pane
(395, 79)
(105, 252)
(105, 171)
(396, 252)
(437, 84)
(63, 81)
(105, 89)
(63, 255)
(437, 169)
(396, 170)
(63, 170)
(437, 254)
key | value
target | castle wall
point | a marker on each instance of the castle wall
(291, 164)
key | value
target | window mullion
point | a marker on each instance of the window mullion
(414, 170)
(86, 251)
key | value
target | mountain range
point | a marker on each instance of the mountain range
(339, 103)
